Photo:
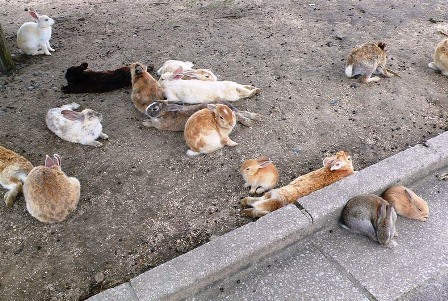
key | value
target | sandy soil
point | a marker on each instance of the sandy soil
(143, 201)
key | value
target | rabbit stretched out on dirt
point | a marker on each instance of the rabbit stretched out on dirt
(208, 129)
(13, 171)
(368, 59)
(197, 91)
(406, 203)
(371, 216)
(50, 194)
(34, 37)
(260, 174)
(172, 117)
(78, 127)
(441, 58)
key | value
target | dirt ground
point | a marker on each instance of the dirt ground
(143, 201)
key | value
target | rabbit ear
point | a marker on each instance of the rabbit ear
(84, 65)
(33, 13)
(263, 161)
(57, 158)
(139, 69)
(177, 74)
(49, 162)
(211, 107)
(72, 115)
(191, 74)
(333, 163)
(382, 212)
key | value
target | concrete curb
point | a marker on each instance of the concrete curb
(229, 253)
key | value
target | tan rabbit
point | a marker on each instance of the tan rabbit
(368, 59)
(50, 194)
(441, 58)
(260, 174)
(13, 171)
(371, 216)
(208, 129)
(406, 203)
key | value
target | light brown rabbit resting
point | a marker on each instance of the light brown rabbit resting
(260, 174)
(50, 194)
(441, 58)
(335, 168)
(13, 171)
(208, 129)
(406, 203)
(371, 216)
(368, 59)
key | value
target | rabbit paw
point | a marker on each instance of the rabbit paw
(104, 136)
(95, 143)
(260, 190)
(9, 200)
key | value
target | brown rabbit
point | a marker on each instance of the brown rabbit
(208, 129)
(13, 171)
(260, 174)
(50, 194)
(368, 59)
(172, 117)
(407, 203)
(145, 89)
(441, 58)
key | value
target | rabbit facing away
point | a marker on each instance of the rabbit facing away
(260, 174)
(366, 60)
(335, 168)
(50, 194)
(197, 91)
(208, 129)
(406, 203)
(13, 170)
(440, 58)
(172, 117)
(34, 37)
(78, 127)
(371, 216)
(145, 89)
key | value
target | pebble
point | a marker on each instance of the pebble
(334, 101)
(296, 150)
(99, 277)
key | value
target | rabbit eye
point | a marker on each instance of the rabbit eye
(221, 117)
(349, 158)
(46, 19)
(207, 76)
(248, 168)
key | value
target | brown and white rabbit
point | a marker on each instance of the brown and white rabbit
(13, 170)
(171, 65)
(260, 174)
(368, 59)
(78, 127)
(441, 58)
(406, 203)
(172, 117)
(371, 216)
(50, 194)
(145, 89)
(34, 37)
(208, 129)
(199, 74)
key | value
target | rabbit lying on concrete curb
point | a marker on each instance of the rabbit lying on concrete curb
(406, 203)
(371, 216)
(13, 170)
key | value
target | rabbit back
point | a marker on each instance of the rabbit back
(365, 59)
(28, 39)
(201, 132)
(50, 194)
(406, 203)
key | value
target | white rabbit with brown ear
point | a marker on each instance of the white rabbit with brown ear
(407, 203)
(13, 170)
(260, 174)
(208, 129)
(441, 58)
(34, 37)
(79, 127)
(50, 194)
(366, 60)
(371, 216)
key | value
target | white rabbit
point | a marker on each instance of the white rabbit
(78, 127)
(197, 91)
(171, 65)
(34, 38)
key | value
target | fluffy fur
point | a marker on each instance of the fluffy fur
(50, 194)
(260, 174)
(81, 80)
(13, 171)
(145, 89)
(171, 65)
(371, 216)
(335, 168)
(208, 129)
(441, 58)
(77, 127)
(34, 37)
(366, 60)
(406, 203)
(172, 117)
